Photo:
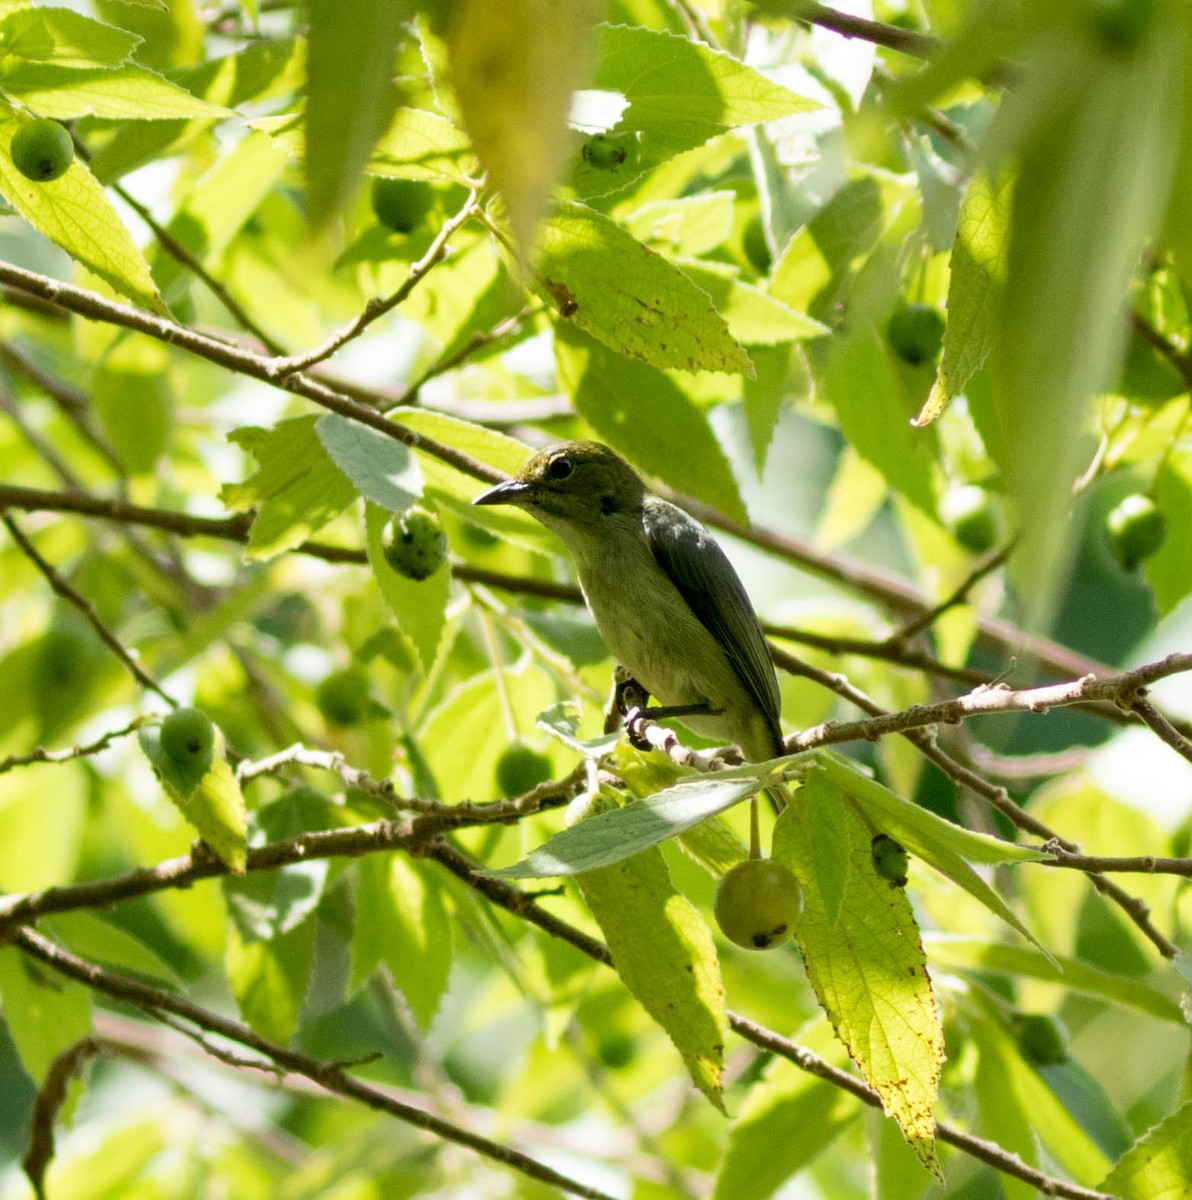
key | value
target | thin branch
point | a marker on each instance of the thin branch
(958, 596)
(893, 37)
(84, 606)
(235, 358)
(330, 1076)
(1162, 728)
(379, 306)
(41, 755)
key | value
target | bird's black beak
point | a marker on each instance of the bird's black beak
(512, 491)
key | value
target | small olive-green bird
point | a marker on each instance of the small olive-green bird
(665, 597)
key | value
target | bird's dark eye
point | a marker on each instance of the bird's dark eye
(559, 468)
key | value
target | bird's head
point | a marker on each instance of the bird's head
(571, 487)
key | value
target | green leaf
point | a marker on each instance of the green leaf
(636, 409)
(938, 842)
(978, 269)
(664, 954)
(420, 606)
(350, 94)
(405, 923)
(561, 721)
(423, 145)
(753, 317)
(385, 471)
(686, 227)
(1159, 1165)
(983, 956)
(97, 939)
(73, 212)
(875, 411)
(608, 284)
(63, 37)
(788, 1118)
(860, 946)
(296, 490)
(269, 979)
(44, 1012)
(1091, 190)
(206, 793)
(127, 93)
(514, 67)
(43, 809)
(608, 837)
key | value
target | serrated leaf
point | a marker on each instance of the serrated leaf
(860, 946)
(206, 793)
(1159, 1165)
(608, 284)
(128, 93)
(618, 833)
(385, 471)
(404, 922)
(978, 269)
(514, 67)
(943, 845)
(296, 490)
(65, 38)
(664, 954)
(561, 721)
(350, 94)
(420, 606)
(636, 409)
(74, 213)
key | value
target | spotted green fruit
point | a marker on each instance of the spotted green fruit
(401, 204)
(610, 151)
(1137, 528)
(915, 333)
(890, 859)
(521, 768)
(758, 904)
(342, 697)
(1041, 1038)
(42, 150)
(414, 543)
(187, 736)
(969, 515)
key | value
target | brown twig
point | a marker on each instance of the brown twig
(41, 755)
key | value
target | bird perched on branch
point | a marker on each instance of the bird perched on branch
(665, 597)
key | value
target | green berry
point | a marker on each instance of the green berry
(342, 697)
(969, 515)
(1137, 528)
(187, 736)
(610, 151)
(42, 150)
(402, 204)
(915, 333)
(890, 859)
(758, 904)
(1042, 1039)
(414, 543)
(521, 768)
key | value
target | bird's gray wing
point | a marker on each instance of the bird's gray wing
(701, 571)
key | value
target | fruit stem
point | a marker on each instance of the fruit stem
(755, 833)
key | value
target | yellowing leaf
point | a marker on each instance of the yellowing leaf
(608, 284)
(514, 65)
(127, 93)
(74, 213)
(664, 953)
(861, 948)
